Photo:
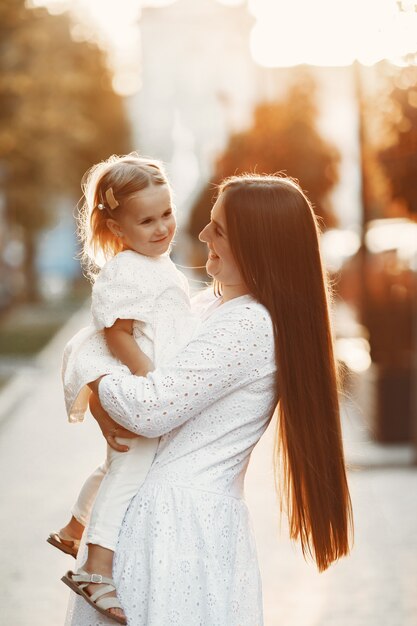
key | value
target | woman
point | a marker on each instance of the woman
(185, 553)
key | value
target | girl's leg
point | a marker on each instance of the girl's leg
(82, 508)
(126, 472)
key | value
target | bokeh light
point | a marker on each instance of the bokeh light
(394, 234)
(231, 3)
(285, 34)
(114, 26)
(328, 33)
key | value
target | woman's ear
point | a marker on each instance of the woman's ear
(114, 227)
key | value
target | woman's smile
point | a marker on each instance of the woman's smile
(212, 255)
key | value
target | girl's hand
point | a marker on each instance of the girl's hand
(109, 428)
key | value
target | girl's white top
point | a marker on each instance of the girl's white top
(186, 554)
(149, 290)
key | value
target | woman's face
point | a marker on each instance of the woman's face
(221, 264)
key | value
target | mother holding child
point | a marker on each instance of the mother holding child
(191, 400)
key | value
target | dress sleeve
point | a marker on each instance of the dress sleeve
(236, 349)
(124, 289)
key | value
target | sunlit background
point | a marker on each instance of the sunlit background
(323, 90)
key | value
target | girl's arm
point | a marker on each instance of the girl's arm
(123, 346)
(225, 356)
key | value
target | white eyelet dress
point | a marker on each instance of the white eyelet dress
(186, 554)
(149, 290)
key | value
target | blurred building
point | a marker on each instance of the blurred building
(200, 83)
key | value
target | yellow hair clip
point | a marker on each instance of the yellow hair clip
(111, 200)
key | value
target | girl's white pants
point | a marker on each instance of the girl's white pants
(107, 493)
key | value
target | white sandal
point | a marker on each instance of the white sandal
(65, 543)
(79, 581)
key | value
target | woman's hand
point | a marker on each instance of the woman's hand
(109, 427)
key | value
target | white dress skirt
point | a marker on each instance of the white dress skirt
(186, 553)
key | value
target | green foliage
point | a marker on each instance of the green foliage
(58, 116)
(29, 327)
(283, 138)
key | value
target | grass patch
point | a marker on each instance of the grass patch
(3, 381)
(26, 340)
(26, 329)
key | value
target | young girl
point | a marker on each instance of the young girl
(141, 315)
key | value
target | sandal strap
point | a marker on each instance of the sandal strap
(63, 537)
(84, 577)
(109, 603)
(67, 537)
(102, 592)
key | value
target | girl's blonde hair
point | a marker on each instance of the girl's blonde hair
(106, 186)
(274, 236)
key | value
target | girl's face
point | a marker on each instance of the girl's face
(221, 263)
(146, 222)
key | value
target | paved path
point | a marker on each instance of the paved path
(43, 461)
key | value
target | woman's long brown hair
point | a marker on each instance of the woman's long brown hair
(274, 235)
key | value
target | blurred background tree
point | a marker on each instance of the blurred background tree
(399, 158)
(284, 137)
(384, 269)
(58, 116)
